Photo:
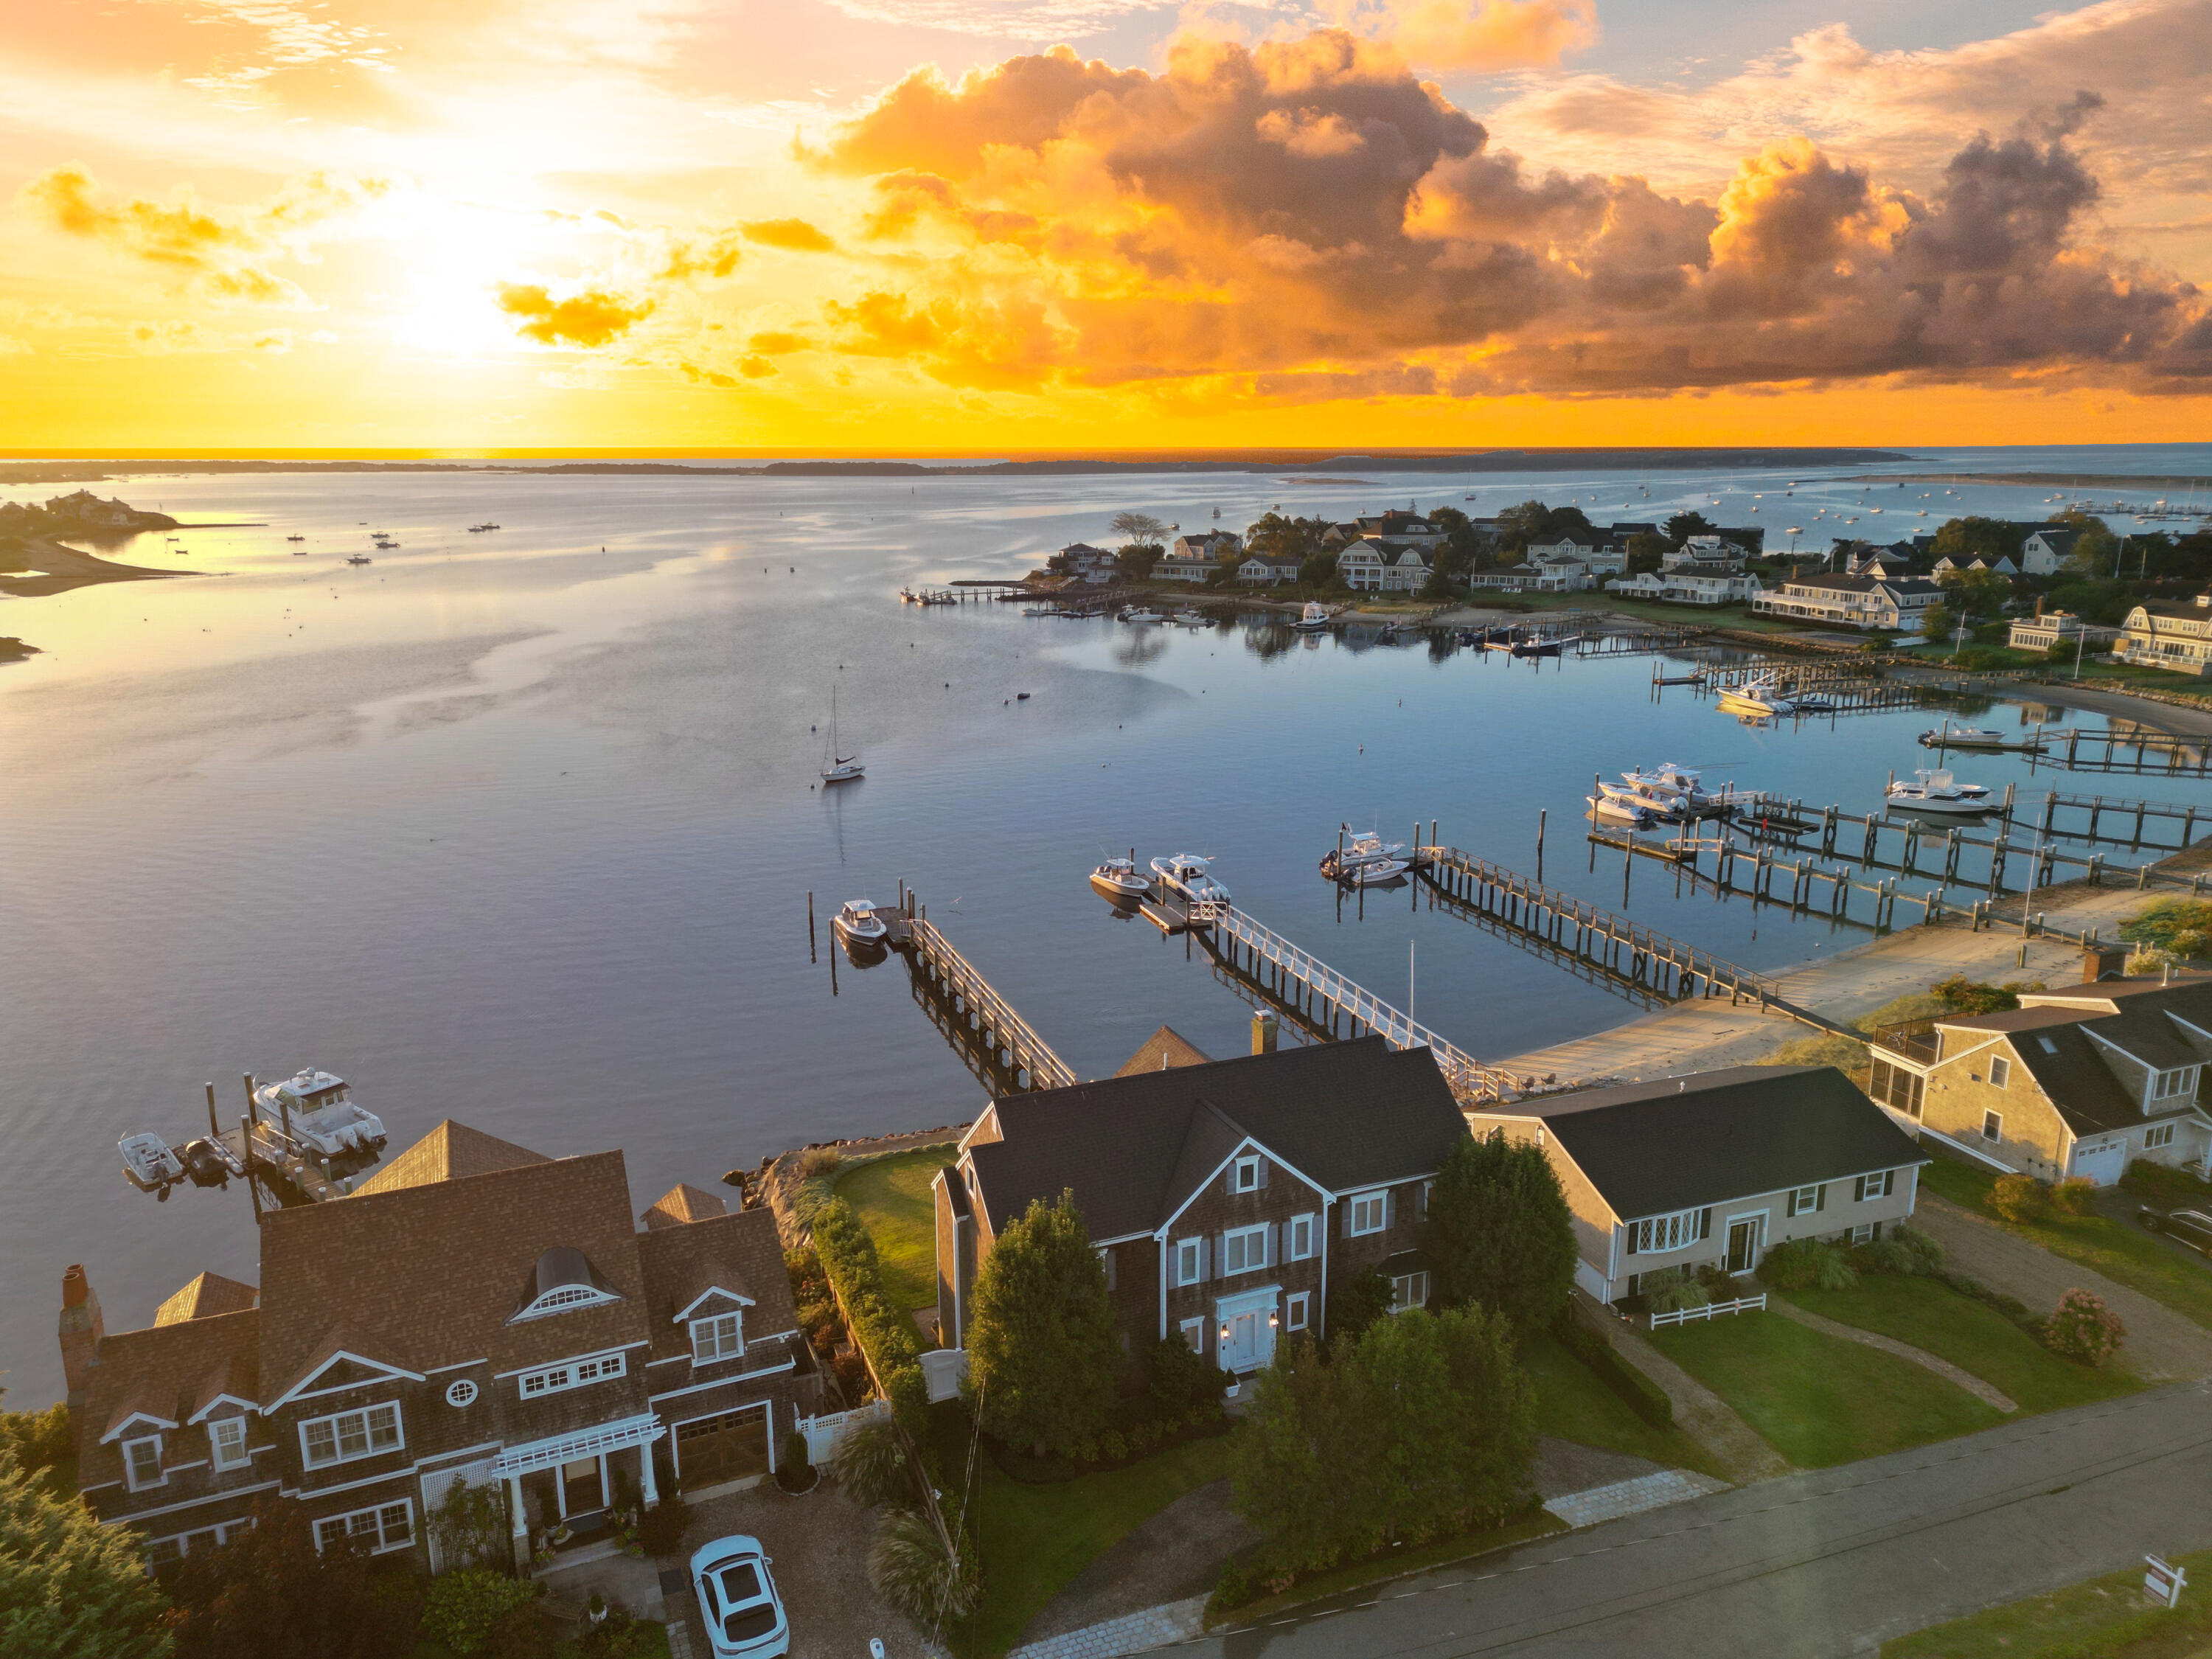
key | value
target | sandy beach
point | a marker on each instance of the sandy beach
(59, 568)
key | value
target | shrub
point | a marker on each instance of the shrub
(1179, 1379)
(818, 1161)
(2178, 927)
(1678, 1294)
(1142, 1435)
(1961, 995)
(471, 1526)
(660, 1528)
(909, 1568)
(2083, 1328)
(1642, 1396)
(1807, 1264)
(462, 1606)
(1237, 1587)
(1358, 1300)
(2020, 1197)
(871, 1465)
(2166, 1186)
(1904, 1251)
(620, 1635)
(2075, 1195)
(886, 1335)
(1112, 1447)
(518, 1633)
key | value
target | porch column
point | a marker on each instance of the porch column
(521, 1521)
(646, 1489)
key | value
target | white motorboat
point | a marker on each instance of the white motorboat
(1312, 619)
(1184, 874)
(1606, 810)
(318, 1109)
(1763, 696)
(149, 1164)
(1964, 737)
(1132, 614)
(1039, 611)
(1119, 879)
(1364, 860)
(1659, 806)
(836, 768)
(857, 923)
(1938, 792)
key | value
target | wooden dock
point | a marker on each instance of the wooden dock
(996, 1030)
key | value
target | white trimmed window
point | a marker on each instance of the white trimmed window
(168, 1551)
(562, 1299)
(1806, 1200)
(142, 1462)
(1863, 1233)
(387, 1527)
(1371, 1213)
(1190, 1261)
(2162, 1135)
(1874, 1186)
(227, 1442)
(1194, 1332)
(344, 1435)
(1992, 1126)
(1300, 1243)
(1999, 1072)
(1294, 1316)
(1409, 1291)
(722, 1337)
(1244, 1176)
(575, 1373)
(1658, 1233)
(2168, 1085)
(1244, 1249)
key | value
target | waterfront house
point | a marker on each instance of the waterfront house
(1510, 578)
(1711, 552)
(475, 1311)
(1196, 558)
(2164, 634)
(2003, 566)
(2046, 549)
(1374, 565)
(1686, 585)
(2078, 1081)
(1268, 570)
(1092, 566)
(1400, 525)
(2047, 629)
(1715, 1168)
(1871, 603)
(1225, 1198)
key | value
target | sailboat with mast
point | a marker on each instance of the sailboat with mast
(838, 768)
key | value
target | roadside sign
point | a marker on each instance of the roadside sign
(2164, 1581)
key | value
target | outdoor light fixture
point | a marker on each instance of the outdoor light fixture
(1274, 1320)
(1225, 1330)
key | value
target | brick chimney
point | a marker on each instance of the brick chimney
(81, 1329)
(2104, 964)
(1264, 1032)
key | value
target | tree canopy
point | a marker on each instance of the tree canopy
(1646, 551)
(1422, 1427)
(1141, 528)
(69, 1588)
(1042, 1349)
(1683, 526)
(270, 1592)
(1534, 521)
(1977, 537)
(1499, 1232)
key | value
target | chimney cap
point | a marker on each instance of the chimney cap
(75, 1287)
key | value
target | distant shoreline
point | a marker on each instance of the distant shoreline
(2071, 480)
(62, 568)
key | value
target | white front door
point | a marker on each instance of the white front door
(1244, 1330)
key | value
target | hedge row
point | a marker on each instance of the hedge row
(884, 1332)
(1644, 1397)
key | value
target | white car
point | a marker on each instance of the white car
(738, 1599)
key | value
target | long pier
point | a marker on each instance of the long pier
(1328, 1002)
(997, 1030)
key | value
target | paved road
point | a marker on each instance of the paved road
(1831, 1563)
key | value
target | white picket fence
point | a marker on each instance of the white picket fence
(822, 1433)
(1683, 1316)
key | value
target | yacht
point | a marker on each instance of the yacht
(836, 768)
(1762, 695)
(1184, 874)
(317, 1109)
(856, 923)
(1312, 619)
(1119, 879)
(1963, 737)
(1938, 792)
(1364, 859)
(149, 1165)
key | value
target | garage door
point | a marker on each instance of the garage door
(710, 1450)
(2103, 1164)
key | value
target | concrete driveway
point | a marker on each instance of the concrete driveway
(818, 1548)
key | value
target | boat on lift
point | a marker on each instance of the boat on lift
(148, 1164)
(1185, 875)
(1119, 879)
(317, 1108)
(857, 924)
(1938, 791)
(1364, 860)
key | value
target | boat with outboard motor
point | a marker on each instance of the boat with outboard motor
(317, 1109)
(1364, 859)
(1120, 880)
(1184, 875)
(1761, 695)
(149, 1165)
(1606, 810)
(857, 924)
(1938, 791)
(1948, 736)
(1312, 619)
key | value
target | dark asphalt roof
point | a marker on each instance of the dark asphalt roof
(1680, 1143)
(1348, 1114)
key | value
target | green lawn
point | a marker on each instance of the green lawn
(892, 1198)
(1928, 1313)
(1573, 1404)
(2106, 1618)
(1819, 1400)
(2120, 1250)
(1035, 1539)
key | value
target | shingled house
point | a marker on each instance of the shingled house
(475, 1311)
(1225, 1197)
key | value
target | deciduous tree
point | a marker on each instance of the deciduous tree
(1042, 1350)
(1499, 1232)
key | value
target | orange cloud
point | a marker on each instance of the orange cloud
(774, 343)
(588, 318)
(1486, 35)
(795, 236)
(1308, 216)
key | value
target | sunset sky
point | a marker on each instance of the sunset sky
(993, 225)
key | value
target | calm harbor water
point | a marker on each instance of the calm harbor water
(516, 827)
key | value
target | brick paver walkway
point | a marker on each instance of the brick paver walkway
(1627, 1497)
(1134, 1632)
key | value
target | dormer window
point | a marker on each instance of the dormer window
(227, 1442)
(142, 1462)
(2168, 1085)
(722, 1336)
(563, 1279)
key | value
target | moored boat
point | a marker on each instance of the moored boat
(1184, 874)
(1120, 879)
(1364, 859)
(856, 923)
(1963, 737)
(1938, 792)
(1606, 810)
(317, 1109)
(1312, 619)
(149, 1165)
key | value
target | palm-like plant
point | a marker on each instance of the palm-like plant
(910, 1570)
(871, 1464)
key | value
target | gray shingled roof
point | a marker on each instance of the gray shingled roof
(1348, 1114)
(1678, 1143)
(2053, 1041)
